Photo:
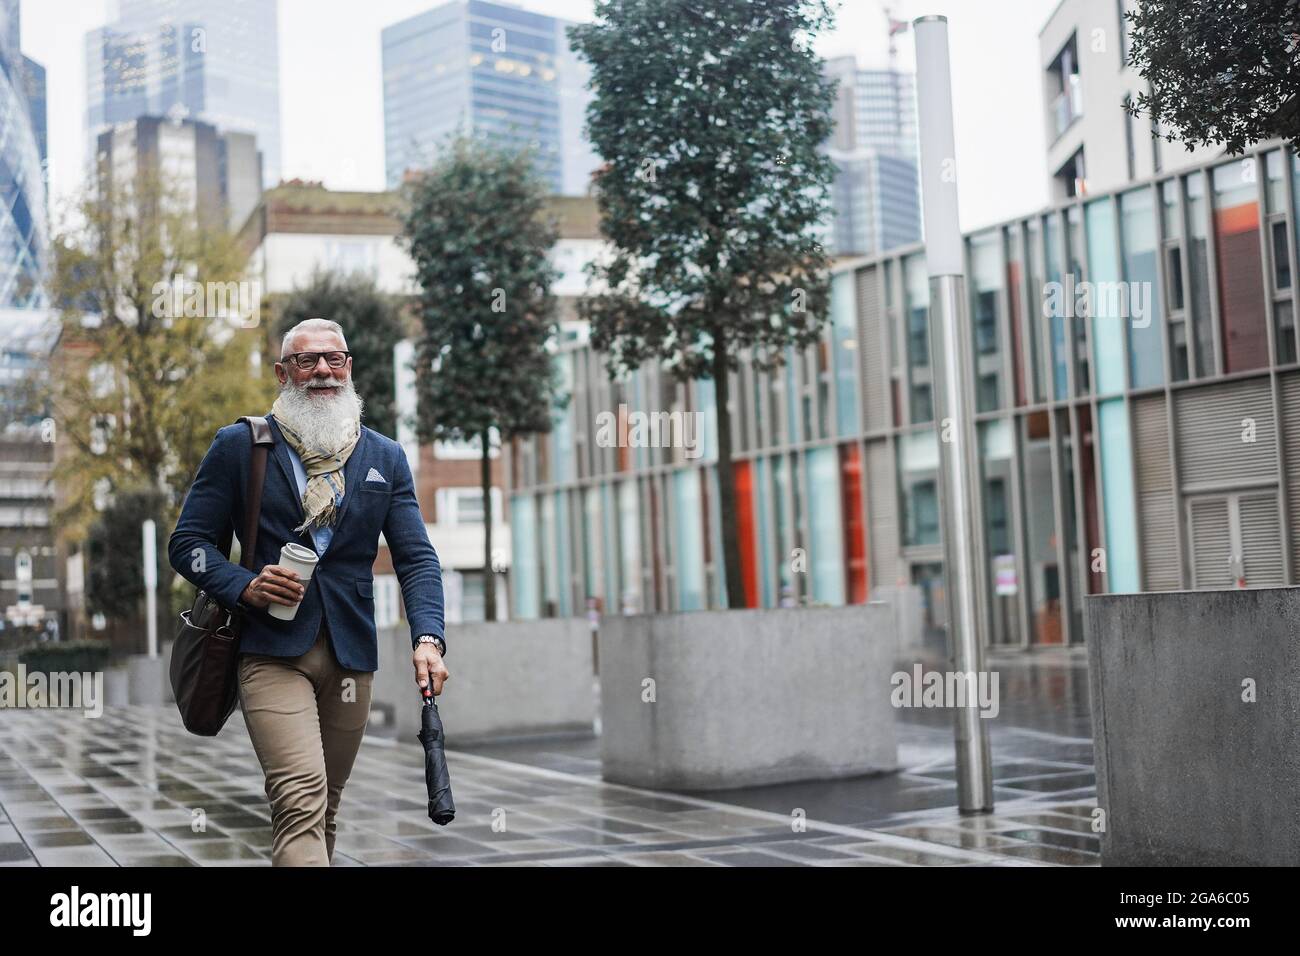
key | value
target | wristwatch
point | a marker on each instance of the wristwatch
(430, 639)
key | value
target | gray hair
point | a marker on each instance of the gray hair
(309, 325)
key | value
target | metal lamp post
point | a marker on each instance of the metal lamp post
(952, 358)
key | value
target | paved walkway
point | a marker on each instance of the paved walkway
(132, 788)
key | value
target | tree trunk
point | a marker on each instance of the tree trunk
(489, 576)
(727, 484)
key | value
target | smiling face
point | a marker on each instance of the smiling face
(320, 382)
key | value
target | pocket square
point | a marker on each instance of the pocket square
(373, 475)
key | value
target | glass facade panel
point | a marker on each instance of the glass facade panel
(921, 406)
(918, 467)
(826, 547)
(689, 528)
(630, 550)
(844, 347)
(523, 561)
(1117, 489)
(1042, 564)
(1105, 303)
(1198, 269)
(1056, 316)
(763, 531)
(1145, 322)
(1002, 579)
(986, 284)
(1076, 255)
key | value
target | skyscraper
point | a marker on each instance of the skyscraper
(23, 225)
(211, 60)
(875, 195)
(498, 70)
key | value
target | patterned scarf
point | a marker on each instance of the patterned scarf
(324, 469)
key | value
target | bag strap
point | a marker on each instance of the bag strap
(263, 439)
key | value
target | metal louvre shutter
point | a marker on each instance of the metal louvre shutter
(1157, 515)
(882, 515)
(1211, 543)
(1261, 540)
(872, 348)
(1290, 402)
(1209, 425)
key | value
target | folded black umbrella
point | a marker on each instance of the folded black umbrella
(441, 809)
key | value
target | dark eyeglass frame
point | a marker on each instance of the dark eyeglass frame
(295, 357)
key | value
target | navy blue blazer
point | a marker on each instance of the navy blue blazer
(342, 586)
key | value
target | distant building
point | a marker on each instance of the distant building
(24, 229)
(219, 173)
(876, 193)
(215, 61)
(1093, 144)
(498, 70)
(300, 228)
(31, 592)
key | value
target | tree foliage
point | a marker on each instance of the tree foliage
(372, 325)
(714, 192)
(1219, 73)
(146, 371)
(114, 552)
(476, 226)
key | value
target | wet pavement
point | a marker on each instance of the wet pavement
(132, 788)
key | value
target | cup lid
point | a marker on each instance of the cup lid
(299, 553)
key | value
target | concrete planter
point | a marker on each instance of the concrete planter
(1188, 772)
(146, 677)
(510, 678)
(117, 687)
(747, 697)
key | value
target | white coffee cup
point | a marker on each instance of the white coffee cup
(297, 558)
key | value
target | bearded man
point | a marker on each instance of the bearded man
(305, 684)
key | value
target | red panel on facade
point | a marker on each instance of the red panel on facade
(1242, 305)
(855, 526)
(744, 474)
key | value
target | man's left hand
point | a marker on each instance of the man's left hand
(429, 667)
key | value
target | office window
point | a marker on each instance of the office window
(1198, 269)
(1076, 254)
(918, 466)
(917, 291)
(986, 284)
(1057, 317)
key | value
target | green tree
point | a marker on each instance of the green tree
(156, 350)
(114, 556)
(709, 117)
(1218, 72)
(475, 224)
(372, 324)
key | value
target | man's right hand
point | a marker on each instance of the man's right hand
(274, 585)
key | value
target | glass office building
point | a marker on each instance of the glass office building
(216, 61)
(499, 70)
(876, 192)
(1137, 393)
(24, 230)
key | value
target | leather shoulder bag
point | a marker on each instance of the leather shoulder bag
(205, 657)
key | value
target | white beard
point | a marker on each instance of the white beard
(327, 419)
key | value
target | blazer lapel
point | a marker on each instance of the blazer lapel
(281, 454)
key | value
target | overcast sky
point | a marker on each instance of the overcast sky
(331, 108)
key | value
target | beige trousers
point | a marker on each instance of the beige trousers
(306, 716)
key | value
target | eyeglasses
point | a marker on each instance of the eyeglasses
(307, 360)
